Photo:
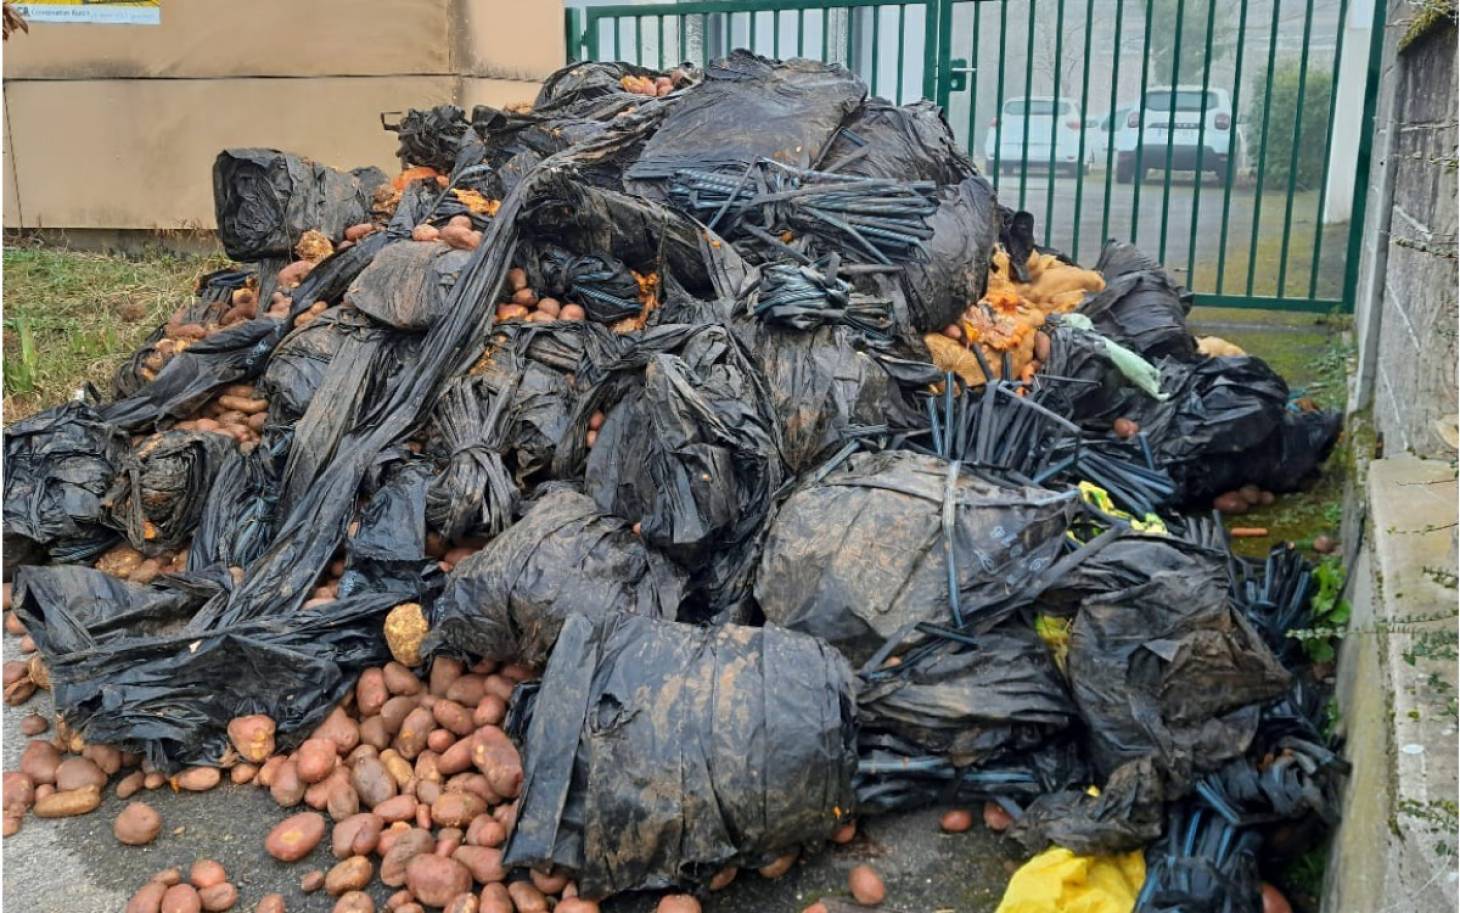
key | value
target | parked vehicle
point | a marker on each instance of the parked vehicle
(1102, 137)
(1047, 118)
(1176, 116)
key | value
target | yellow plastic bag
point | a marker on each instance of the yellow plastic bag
(1058, 881)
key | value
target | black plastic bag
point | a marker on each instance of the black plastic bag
(862, 555)
(908, 142)
(237, 519)
(386, 552)
(162, 485)
(564, 556)
(406, 285)
(134, 666)
(954, 270)
(655, 753)
(214, 300)
(430, 136)
(1001, 694)
(474, 493)
(602, 285)
(807, 297)
(749, 108)
(688, 451)
(827, 388)
(1203, 865)
(265, 200)
(300, 361)
(1125, 815)
(59, 465)
(1164, 667)
(1117, 258)
(1144, 311)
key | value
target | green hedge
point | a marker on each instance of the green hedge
(1313, 137)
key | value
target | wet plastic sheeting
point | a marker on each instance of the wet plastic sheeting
(860, 555)
(509, 600)
(908, 142)
(162, 486)
(750, 108)
(59, 465)
(952, 271)
(655, 753)
(130, 669)
(266, 199)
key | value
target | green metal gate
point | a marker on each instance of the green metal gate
(1240, 114)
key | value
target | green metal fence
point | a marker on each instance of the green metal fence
(1233, 107)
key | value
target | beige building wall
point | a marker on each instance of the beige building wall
(116, 126)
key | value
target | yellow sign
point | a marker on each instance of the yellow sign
(105, 12)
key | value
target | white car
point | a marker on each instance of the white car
(1176, 116)
(1044, 114)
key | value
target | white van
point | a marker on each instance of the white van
(1043, 114)
(1175, 115)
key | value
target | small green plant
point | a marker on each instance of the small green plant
(1330, 612)
(20, 370)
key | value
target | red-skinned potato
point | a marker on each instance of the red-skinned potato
(355, 902)
(252, 737)
(434, 880)
(67, 803)
(205, 873)
(372, 780)
(315, 760)
(218, 898)
(295, 837)
(444, 671)
(137, 825)
(497, 758)
(39, 761)
(148, 898)
(270, 903)
(287, 789)
(866, 886)
(485, 830)
(340, 729)
(677, 903)
(181, 898)
(357, 835)
(407, 847)
(352, 874)
(399, 680)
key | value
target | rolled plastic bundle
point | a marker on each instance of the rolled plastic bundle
(159, 494)
(508, 600)
(656, 753)
(265, 200)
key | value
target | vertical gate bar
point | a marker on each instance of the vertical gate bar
(660, 24)
(590, 36)
(1028, 88)
(571, 15)
(973, 82)
(639, 40)
(901, 33)
(1138, 164)
(801, 33)
(1059, 38)
(1282, 280)
(999, 99)
(1114, 125)
(1230, 176)
(776, 34)
(1277, 6)
(616, 23)
(825, 32)
(876, 58)
(1171, 130)
(851, 14)
(680, 50)
(1366, 150)
(1201, 143)
(1084, 105)
(1327, 150)
(944, 19)
(932, 61)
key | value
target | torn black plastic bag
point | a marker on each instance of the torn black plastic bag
(970, 704)
(214, 300)
(688, 450)
(162, 486)
(953, 271)
(602, 285)
(59, 465)
(508, 600)
(237, 520)
(237, 353)
(1144, 311)
(298, 365)
(1125, 815)
(907, 142)
(129, 668)
(430, 136)
(386, 553)
(749, 108)
(1166, 668)
(862, 555)
(655, 753)
(265, 200)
